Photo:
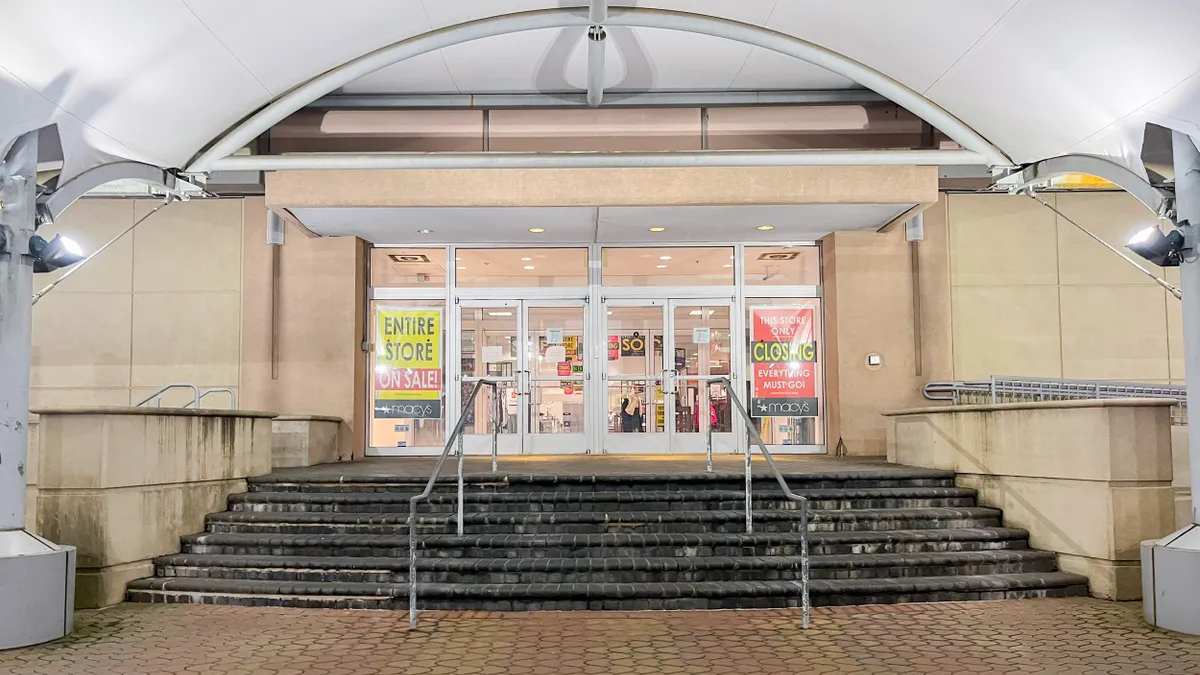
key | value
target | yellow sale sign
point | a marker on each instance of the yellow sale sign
(408, 362)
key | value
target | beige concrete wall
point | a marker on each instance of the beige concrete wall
(161, 305)
(123, 484)
(1088, 479)
(321, 368)
(304, 440)
(613, 187)
(1032, 295)
(869, 287)
(31, 474)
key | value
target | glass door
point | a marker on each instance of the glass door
(489, 334)
(554, 377)
(534, 350)
(700, 347)
(633, 374)
(663, 358)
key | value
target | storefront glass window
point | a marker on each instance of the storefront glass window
(513, 267)
(423, 322)
(678, 266)
(785, 393)
(782, 266)
(408, 267)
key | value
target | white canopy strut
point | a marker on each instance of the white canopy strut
(634, 17)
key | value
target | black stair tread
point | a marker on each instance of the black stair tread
(531, 517)
(602, 496)
(989, 582)
(858, 560)
(323, 477)
(600, 539)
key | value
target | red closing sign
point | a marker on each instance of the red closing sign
(783, 357)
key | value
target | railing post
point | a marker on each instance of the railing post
(805, 605)
(412, 561)
(749, 489)
(495, 428)
(460, 485)
(710, 429)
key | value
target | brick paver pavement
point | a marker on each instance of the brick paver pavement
(1027, 636)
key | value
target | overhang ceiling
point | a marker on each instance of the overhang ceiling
(606, 224)
(158, 80)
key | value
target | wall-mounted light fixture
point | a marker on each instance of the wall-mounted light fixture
(1164, 250)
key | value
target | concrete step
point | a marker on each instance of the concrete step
(607, 596)
(601, 570)
(584, 522)
(321, 481)
(638, 500)
(608, 545)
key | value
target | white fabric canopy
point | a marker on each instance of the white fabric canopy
(157, 80)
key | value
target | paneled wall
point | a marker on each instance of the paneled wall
(162, 305)
(1032, 295)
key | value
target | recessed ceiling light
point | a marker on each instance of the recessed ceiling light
(424, 231)
(462, 267)
(731, 257)
(764, 228)
(664, 257)
(526, 259)
(529, 267)
(456, 259)
(658, 229)
(499, 313)
(727, 265)
(537, 230)
(661, 266)
(610, 313)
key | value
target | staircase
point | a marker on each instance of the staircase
(885, 534)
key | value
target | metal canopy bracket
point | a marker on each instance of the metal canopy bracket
(1156, 199)
(632, 17)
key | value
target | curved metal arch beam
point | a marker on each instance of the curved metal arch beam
(64, 195)
(1158, 200)
(563, 17)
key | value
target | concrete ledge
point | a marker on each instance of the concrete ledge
(154, 412)
(1088, 479)
(123, 484)
(104, 586)
(304, 440)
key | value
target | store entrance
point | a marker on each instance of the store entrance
(663, 380)
(533, 349)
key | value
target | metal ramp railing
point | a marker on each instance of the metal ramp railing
(1013, 389)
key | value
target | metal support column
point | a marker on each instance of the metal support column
(17, 181)
(1171, 565)
(1187, 209)
(37, 578)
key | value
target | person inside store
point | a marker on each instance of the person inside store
(631, 413)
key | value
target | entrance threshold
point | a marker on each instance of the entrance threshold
(419, 468)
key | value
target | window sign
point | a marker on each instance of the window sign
(783, 355)
(408, 363)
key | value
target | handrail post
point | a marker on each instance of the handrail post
(495, 427)
(755, 438)
(412, 561)
(460, 484)
(459, 427)
(711, 409)
(749, 488)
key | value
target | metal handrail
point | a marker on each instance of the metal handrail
(1010, 388)
(217, 390)
(455, 439)
(167, 387)
(756, 437)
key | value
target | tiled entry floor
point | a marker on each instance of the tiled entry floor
(591, 465)
(1077, 635)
